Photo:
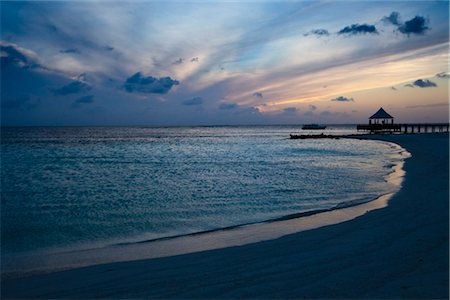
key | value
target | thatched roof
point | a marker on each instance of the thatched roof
(381, 114)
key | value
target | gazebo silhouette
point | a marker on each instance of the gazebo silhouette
(380, 121)
(381, 117)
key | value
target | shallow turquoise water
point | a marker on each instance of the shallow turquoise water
(77, 188)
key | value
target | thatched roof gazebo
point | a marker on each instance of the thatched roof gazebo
(380, 121)
(381, 117)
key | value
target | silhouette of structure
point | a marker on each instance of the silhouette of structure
(381, 117)
(382, 122)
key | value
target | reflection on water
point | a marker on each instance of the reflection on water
(76, 188)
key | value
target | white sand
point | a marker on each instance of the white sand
(400, 251)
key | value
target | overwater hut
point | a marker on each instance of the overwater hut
(380, 121)
(381, 117)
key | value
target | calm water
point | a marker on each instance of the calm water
(78, 188)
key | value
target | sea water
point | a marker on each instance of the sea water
(76, 188)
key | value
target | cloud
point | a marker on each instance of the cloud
(409, 85)
(312, 107)
(343, 99)
(193, 101)
(393, 88)
(194, 59)
(251, 110)
(290, 110)
(424, 83)
(317, 32)
(228, 105)
(417, 25)
(258, 95)
(150, 84)
(23, 102)
(443, 75)
(439, 104)
(84, 77)
(13, 54)
(74, 87)
(83, 100)
(70, 50)
(358, 29)
(178, 61)
(108, 48)
(393, 18)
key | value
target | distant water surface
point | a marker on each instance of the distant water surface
(68, 188)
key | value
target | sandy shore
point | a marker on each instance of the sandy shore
(400, 251)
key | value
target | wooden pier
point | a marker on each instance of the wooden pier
(405, 128)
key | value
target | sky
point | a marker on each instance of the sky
(176, 63)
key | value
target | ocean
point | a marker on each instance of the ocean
(77, 188)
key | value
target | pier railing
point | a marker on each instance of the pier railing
(405, 128)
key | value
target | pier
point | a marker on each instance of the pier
(381, 122)
(405, 128)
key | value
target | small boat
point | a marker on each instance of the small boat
(314, 136)
(313, 126)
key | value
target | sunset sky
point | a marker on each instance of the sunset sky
(217, 63)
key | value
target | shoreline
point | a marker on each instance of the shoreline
(219, 238)
(379, 254)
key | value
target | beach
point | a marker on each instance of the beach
(398, 251)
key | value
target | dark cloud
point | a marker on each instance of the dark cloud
(312, 107)
(248, 110)
(343, 99)
(74, 87)
(23, 102)
(13, 54)
(193, 101)
(290, 110)
(317, 32)
(194, 59)
(393, 18)
(150, 84)
(85, 99)
(228, 105)
(108, 48)
(178, 61)
(70, 50)
(417, 25)
(358, 29)
(82, 101)
(443, 75)
(424, 83)
(258, 95)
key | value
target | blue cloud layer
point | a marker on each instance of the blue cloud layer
(225, 54)
(358, 29)
(149, 84)
(343, 99)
